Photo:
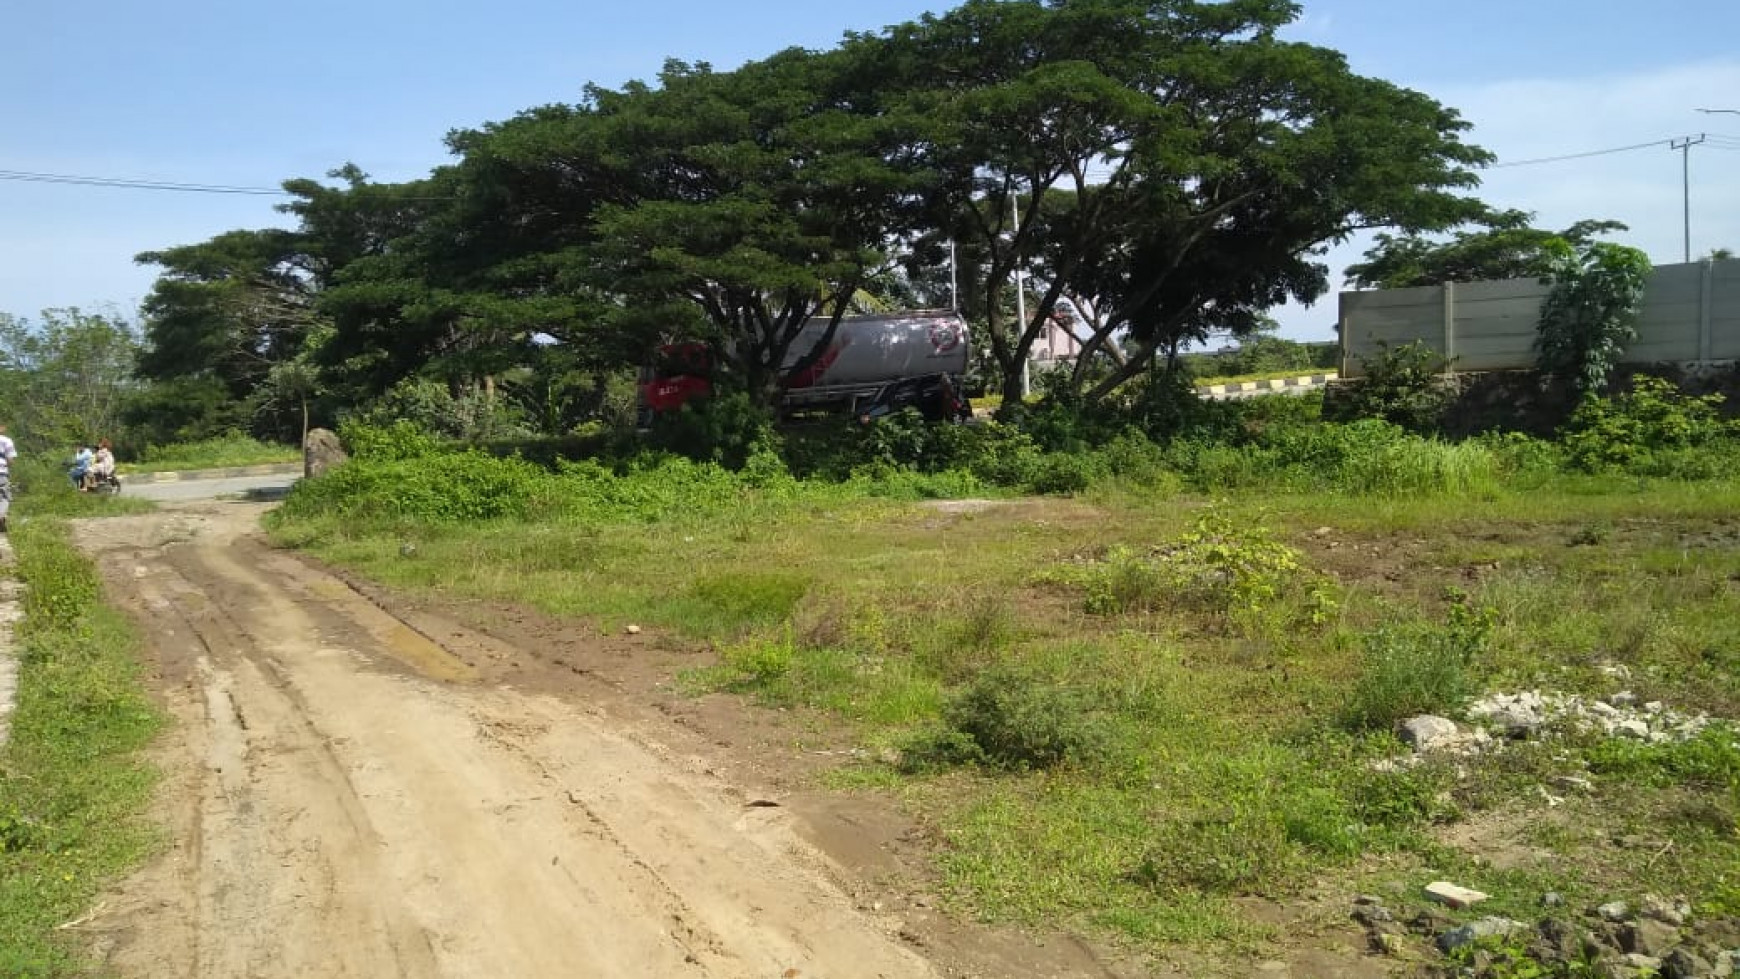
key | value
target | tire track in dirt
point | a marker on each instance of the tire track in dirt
(337, 812)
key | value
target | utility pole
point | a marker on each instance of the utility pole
(1021, 305)
(1685, 147)
(954, 281)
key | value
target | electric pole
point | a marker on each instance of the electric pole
(1685, 147)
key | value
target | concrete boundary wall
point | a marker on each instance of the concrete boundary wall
(1691, 314)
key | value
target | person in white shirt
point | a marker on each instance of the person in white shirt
(8, 452)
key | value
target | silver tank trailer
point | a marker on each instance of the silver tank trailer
(867, 352)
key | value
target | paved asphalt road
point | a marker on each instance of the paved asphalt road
(268, 487)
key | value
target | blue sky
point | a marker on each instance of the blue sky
(250, 94)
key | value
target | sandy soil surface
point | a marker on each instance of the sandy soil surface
(360, 785)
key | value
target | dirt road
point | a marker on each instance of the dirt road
(349, 796)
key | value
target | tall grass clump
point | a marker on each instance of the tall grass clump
(1419, 669)
(1415, 466)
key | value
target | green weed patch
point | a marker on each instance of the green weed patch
(72, 784)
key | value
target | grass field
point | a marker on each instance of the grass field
(72, 784)
(1134, 710)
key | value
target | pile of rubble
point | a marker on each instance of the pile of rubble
(1657, 938)
(1525, 714)
(1509, 716)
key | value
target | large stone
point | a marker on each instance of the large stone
(321, 451)
(1614, 911)
(1647, 936)
(1474, 931)
(1428, 731)
(1661, 909)
(1561, 940)
(1683, 963)
(1516, 721)
(1632, 729)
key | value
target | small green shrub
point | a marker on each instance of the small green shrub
(1136, 460)
(758, 663)
(1062, 474)
(1018, 720)
(1403, 798)
(1519, 455)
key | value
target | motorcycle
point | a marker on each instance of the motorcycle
(105, 485)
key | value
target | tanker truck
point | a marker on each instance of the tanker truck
(873, 366)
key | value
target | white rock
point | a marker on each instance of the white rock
(1453, 895)
(632, 630)
(1631, 729)
(1428, 731)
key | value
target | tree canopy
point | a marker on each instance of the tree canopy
(1154, 170)
(1499, 245)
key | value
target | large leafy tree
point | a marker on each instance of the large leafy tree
(1176, 165)
(233, 311)
(1500, 245)
(750, 202)
(229, 308)
(66, 378)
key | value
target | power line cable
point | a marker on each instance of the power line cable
(1581, 156)
(29, 176)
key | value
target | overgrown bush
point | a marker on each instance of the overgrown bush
(1628, 431)
(724, 429)
(1402, 385)
(1219, 568)
(467, 414)
(1591, 314)
(388, 441)
(441, 488)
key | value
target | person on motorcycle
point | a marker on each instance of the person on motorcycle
(103, 465)
(81, 467)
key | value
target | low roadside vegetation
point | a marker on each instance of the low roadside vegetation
(73, 785)
(1148, 682)
(214, 453)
